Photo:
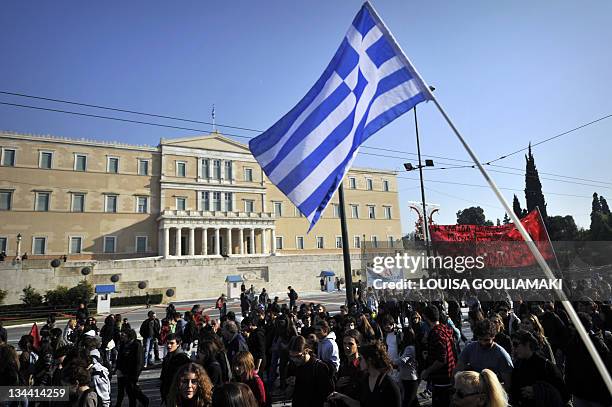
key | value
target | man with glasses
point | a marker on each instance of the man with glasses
(484, 353)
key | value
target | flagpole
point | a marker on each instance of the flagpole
(346, 255)
(601, 367)
(425, 228)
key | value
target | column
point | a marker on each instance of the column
(241, 233)
(217, 248)
(191, 241)
(229, 240)
(264, 249)
(273, 241)
(166, 242)
(204, 241)
(178, 242)
(222, 165)
(252, 242)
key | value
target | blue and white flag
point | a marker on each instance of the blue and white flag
(368, 83)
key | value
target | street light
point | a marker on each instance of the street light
(18, 254)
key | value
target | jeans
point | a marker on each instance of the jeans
(149, 344)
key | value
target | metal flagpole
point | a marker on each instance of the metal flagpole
(601, 367)
(346, 256)
(425, 229)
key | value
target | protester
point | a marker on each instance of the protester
(233, 395)
(191, 388)
(129, 367)
(149, 331)
(312, 381)
(350, 373)
(532, 324)
(244, 367)
(327, 350)
(173, 361)
(293, 297)
(501, 338)
(221, 305)
(76, 376)
(473, 389)
(82, 313)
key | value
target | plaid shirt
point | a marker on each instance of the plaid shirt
(440, 346)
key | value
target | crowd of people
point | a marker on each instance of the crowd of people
(381, 350)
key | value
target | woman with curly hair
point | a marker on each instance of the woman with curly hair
(531, 323)
(377, 387)
(473, 389)
(191, 388)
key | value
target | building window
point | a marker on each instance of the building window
(141, 244)
(338, 242)
(39, 245)
(78, 202)
(248, 174)
(299, 242)
(357, 242)
(181, 169)
(80, 162)
(204, 168)
(8, 157)
(217, 169)
(228, 202)
(371, 212)
(320, 242)
(6, 200)
(143, 167)
(45, 160)
(355, 211)
(110, 244)
(181, 203)
(387, 212)
(249, 206)
(142, 204)
(390, 240)
(228, 170)
(336, 210)
(111, 203)
(369, 184)
(278, 209)
(386, 186)
(352, 183)
(75, 245)
(42, 201)
(216, 201)
(205, 201)
(375, 241)
(3, 245)
(279, 242)
(112, 165)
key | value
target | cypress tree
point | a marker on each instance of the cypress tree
(516, 207)
(533, 187)
(506, 218)
(604, 205)
(596, 205)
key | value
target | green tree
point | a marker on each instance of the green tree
(31, 297)
(562, 228)
(506, 219)
(516, 207)
(533, 187)
(605, 209)
(498, 222)
(473, 215)
(596, 204)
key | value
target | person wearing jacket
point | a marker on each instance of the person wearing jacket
(149, 331)
(129, 367)
(328, 348)
(171, 364)
(100, 379)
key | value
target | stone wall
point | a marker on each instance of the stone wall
(190, 278)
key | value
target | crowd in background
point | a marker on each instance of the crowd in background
(381, 350)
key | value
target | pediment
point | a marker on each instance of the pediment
(213, 141)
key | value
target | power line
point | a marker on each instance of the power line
(452, 166)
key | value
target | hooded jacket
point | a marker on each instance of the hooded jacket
(100, 380)
(328, 351)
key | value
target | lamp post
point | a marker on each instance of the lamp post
(18, 254)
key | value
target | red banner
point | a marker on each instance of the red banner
(500, 246)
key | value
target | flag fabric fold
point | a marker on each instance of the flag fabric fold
(367, 84)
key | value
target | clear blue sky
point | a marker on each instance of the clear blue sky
(507, 73)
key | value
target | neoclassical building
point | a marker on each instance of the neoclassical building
(201, 196)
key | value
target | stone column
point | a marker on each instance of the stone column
(229, 240)
(166, 242)
(204, 241)
(273, 243)
(178, 241)
(191, 241)
(217, 248)
(241, 234)
(252, 242)
(264, 249)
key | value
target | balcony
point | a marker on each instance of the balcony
(229, 215)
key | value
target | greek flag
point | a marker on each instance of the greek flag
(368, 83)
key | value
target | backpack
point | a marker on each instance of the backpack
(83, 397)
